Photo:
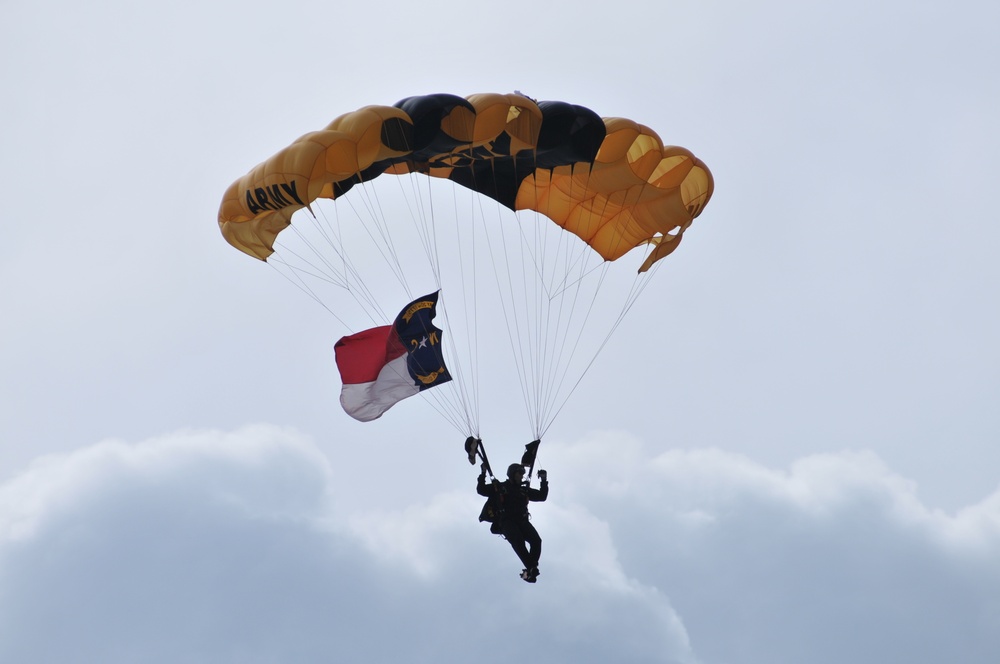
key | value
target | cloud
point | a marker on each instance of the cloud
(233, 547)
(834, 559)
(210, 546)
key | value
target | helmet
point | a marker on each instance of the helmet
(514, 469)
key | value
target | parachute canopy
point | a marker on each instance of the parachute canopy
(584, 192)
(610, 182)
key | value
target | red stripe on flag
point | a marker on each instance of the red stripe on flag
(361, 356)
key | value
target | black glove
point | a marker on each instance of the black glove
(543, 476)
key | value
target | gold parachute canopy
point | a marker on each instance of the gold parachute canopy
(611, 182)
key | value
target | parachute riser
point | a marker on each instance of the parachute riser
(528, 458)
(474, 448)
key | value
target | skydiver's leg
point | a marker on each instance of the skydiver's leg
(516, 537)
(534, 541)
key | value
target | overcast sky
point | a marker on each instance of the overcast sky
(787, 453)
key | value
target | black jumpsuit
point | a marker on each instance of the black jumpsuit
(514, 524)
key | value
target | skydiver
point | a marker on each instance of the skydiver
(508, 502)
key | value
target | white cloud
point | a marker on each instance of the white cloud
(236, 547)
(834, 559)
(216, 547)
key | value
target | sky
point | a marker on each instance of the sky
(786, 453)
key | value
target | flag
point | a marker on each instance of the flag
(384, 365)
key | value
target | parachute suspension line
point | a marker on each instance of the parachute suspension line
(508, 313)
(316, 270)
(329, 235)
(639, 284)
(423, 221)
(571, 297)
(330, 275)
(546, 354)
(470, 392)
(438, 404)
(550, 268)
(558, 384)
(466, 390)
(301, 285)
(341, 277)
(533, 320)
(384, 243)
(541, 336)
(537, 331)
(468, 365)
(385, 246)
(373, 220)
(425, 224)
(360, 291)
(554, 380)
(547, 334)
(543, 310)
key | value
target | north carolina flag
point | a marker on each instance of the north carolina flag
(386, 364)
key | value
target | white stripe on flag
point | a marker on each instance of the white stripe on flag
(367, 401)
